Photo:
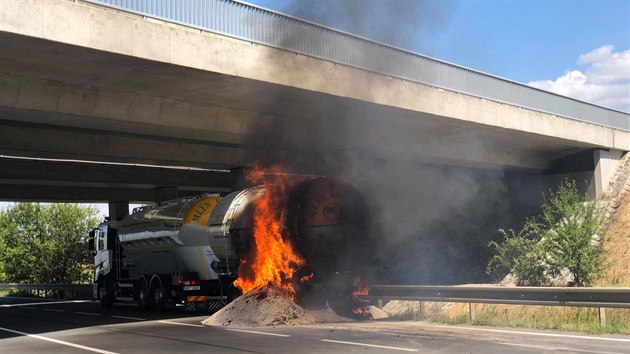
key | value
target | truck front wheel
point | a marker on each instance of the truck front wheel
(105, 295)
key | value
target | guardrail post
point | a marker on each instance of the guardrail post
(471, 312)
(601, 315)
(421, 311)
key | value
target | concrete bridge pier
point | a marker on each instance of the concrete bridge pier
(605, 162)
(593, 171)
(118, 210)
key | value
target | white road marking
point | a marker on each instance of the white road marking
(537, 333)
(181, 324)
(550, 348)
(369, 345)
(256, 332)
(47, 303)
(52, 310)
(130, 318)
(58, 341)
(87, 313)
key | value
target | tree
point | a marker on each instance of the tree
(520, 254)
(569, 223)
(45, 243)
(562, 237)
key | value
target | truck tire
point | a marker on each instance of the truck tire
(143, 295)
(157, 297)
(105, 295)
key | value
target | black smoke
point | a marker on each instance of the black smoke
(431, 219)
(401, 23)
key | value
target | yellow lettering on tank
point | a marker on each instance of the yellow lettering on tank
(324, 205)
(201, 210)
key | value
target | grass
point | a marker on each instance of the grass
(617, 248)
(405, 315)
(540, 317)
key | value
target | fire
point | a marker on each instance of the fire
(360, 289)
(362, 311)
(272, 260)
(306, 278)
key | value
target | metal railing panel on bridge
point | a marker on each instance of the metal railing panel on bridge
(263, 26)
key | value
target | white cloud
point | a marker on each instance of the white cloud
(605, 79)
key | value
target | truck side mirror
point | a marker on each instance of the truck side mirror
(91, 242)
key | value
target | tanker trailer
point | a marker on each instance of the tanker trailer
(330, 223)
(188, 250)
(159, 256)
(326, 220)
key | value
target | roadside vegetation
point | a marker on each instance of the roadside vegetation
(580, 319)
(559, 241)
(566, 237)
(46, 243)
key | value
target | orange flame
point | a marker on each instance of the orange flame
(362, 311)
(360, 289)
(272, 261)
(306, 278)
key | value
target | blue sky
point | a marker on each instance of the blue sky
(525, 41)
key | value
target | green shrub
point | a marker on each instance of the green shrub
(560, 238)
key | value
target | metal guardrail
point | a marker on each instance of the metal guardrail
(544, 296)
(255, 24)
(548, 296)
(73, 289)
(600, 298)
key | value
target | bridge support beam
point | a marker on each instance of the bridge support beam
(605, 162)
(238, 178)
(165, 193)
(118, 210)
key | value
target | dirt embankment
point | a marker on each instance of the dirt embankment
(617, 246)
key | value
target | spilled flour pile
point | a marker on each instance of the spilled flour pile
(260, 307)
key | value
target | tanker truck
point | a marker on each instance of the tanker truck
(186, 252)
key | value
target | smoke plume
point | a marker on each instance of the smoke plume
(402, 23)
(431, 220)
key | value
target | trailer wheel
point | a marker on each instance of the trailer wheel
(143, 295)
(105, 296)
(157, 295)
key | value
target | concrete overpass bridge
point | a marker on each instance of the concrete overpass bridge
(215, 85)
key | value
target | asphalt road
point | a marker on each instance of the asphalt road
(82, 327)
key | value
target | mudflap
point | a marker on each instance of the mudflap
(202, 304)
